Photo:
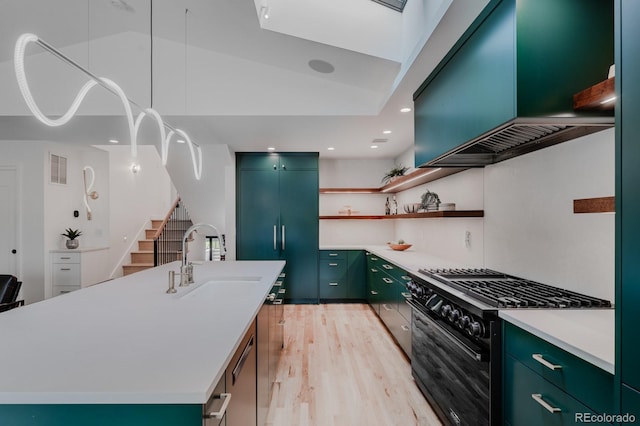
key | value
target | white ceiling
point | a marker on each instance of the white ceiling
(223, 78)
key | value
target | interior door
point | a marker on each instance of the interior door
(8, 223)
(299, 232)
(258, 215)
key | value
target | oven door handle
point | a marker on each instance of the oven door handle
(477, 356)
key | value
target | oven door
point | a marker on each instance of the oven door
(453, 374)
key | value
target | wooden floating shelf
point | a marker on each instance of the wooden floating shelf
(435, 214)
(597, 97)
(411, 180)
(595, 205)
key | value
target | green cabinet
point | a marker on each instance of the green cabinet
(387, 289)
(277, 216)
(342, 275)
(627, 194)
(545, 385)
(520, 58)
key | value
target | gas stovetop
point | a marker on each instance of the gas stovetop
(505, 291)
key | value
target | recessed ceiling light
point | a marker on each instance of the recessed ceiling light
(405, 109)
(387, 132)
(180, 141)
(271, 148)
(113, 141)
(374, 146)
(331, 148)
(321, 66)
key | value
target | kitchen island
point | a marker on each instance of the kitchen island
(125, 352)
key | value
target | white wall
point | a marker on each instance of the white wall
(135, 199)
(530, 228)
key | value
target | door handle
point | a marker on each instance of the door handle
(538, 398)
(223, 409)
(541, 360)
(283, 238)
(275, 247)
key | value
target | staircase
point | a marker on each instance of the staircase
(163, 241)
(143, 258)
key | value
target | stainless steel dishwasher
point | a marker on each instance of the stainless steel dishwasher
(241, 382)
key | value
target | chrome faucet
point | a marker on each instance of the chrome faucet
(186, 270)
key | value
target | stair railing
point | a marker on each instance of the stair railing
(167, 241)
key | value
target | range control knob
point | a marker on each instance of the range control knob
(475, 329)
(464, 322)
(445, 311)
(454, 315)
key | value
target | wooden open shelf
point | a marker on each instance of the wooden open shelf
(436, 214)
(592, 97)
(595, 205)
(413, 179)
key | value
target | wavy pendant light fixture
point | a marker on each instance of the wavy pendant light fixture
(134, 125)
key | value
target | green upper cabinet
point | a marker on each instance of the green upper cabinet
(277, 216)
(520, 58)
(628, 194)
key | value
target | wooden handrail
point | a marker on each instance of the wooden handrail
(166, 218)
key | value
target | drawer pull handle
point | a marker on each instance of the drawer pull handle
(538, 398)
(387, 267)
(333, 284)
(65, 269)
(65, 258)
(406, 295)
(386, 307)
(220, 414)
(406, 278)
(374, 293)
(404, 328)
(387, 280)
(374, 270)
(333, 254)
(541, 360)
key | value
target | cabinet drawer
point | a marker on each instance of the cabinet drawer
(65, 258)
(66, 274)
(304, 161)
(529, 399)
(333, 254)
(215, 405)
(64, 289)
(586, 382)
(333, 289)
(336, 269)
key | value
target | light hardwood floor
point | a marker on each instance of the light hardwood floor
(341, 367)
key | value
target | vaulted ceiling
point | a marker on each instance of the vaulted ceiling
(223, 72)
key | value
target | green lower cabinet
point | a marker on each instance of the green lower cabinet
(342, 275)
(101, 415)
(546, 385)
(531, 400)
(630, 404)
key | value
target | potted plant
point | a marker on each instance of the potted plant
(397, 171)
(430, 201)
(71, 235)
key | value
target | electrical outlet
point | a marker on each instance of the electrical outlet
(467, 239)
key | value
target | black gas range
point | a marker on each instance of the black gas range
(456, 335)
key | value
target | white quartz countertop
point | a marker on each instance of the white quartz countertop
(586, 333)
(128, 342)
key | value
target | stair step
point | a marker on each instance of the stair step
(155, 223)
(135, 267)
(145, 245)
(142, 257)
(175, 234)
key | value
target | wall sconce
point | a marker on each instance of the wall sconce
(135, 168)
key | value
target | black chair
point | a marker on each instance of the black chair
(9, 289)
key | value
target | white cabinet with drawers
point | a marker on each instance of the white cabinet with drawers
(73, 269)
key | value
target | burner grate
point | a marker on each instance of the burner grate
(504, 291)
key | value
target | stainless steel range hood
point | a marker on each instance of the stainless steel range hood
(520, 136)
